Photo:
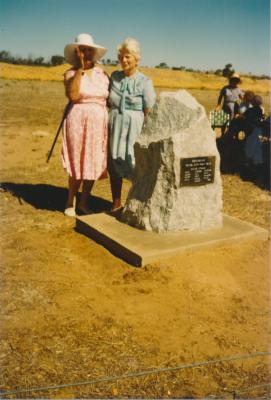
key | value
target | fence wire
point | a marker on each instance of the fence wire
(134, 374)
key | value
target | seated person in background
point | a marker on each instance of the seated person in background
(250, 114)
(254, 115)
(257, 153)
(240, 128)
(237, 124)
(246, 103)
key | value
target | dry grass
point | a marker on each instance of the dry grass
(161, 77)
(70, 311)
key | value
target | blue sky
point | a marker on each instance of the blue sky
(202, 34)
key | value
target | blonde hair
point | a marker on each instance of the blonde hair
(131, 46)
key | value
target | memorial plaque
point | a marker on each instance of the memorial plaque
(197, 171)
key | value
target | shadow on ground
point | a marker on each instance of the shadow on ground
(48, 197)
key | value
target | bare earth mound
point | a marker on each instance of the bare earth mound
(72, 312)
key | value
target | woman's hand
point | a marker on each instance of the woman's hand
(80, 56)
(73, 85)
(147, 111)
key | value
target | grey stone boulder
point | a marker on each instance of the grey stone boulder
(177, 128)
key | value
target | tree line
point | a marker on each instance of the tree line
(7, 57)
(226, 71)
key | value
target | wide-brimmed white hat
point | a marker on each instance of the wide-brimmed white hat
(84, 39)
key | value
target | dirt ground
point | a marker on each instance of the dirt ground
(72, 312)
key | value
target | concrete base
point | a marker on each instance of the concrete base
(138, 247)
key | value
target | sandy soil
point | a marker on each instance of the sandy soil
(71, 311)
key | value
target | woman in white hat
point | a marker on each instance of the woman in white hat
(84, 146)
(131, 98)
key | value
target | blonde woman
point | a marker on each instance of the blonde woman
(131, 98)
(84, 149)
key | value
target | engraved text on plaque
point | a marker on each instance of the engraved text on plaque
(197, 171)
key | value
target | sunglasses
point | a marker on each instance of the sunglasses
(86, 49)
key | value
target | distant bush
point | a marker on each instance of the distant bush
(5, 56)
(57, 60)
(263, 77)
(256, 77)
(182, 68)
(162, 65)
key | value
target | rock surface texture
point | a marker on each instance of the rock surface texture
(177, 128)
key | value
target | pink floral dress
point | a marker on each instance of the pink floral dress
(84, 139)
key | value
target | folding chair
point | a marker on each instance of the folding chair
(219, 119)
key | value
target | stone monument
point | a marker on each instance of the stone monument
(176, 190)
(177, 184)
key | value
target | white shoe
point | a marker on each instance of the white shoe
(70, 212)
